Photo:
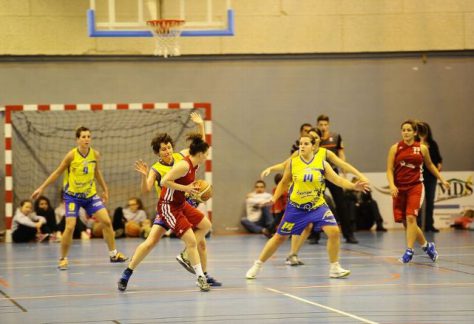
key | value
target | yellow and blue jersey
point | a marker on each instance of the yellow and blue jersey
(161, 169)
(79, 177)
(308, 182)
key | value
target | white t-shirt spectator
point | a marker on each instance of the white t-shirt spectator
(139, 216)
(27, 220)
(253, 202)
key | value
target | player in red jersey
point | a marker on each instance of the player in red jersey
(178, 215)
(405, 177)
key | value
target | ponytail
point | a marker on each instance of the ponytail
(198, 145)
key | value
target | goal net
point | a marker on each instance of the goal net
(41, 139)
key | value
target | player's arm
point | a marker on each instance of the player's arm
(390, 168)
(345, 166)
(148, 177)
(431, 167)
(283, 184)
(100, 179)
(54, 175)
(339, 181)
(197, 119)
(277, 167)
(177, 171)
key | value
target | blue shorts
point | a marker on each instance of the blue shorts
(91, 205)
(296, 219)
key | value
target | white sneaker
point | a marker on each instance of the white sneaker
(337, 272)
(254, 270)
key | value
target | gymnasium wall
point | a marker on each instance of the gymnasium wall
(260, 102)
(58, 27)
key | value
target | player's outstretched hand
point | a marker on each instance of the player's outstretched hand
(196, 118)
(141, 167)
(36, 193)
(265, 173)
(361, 185)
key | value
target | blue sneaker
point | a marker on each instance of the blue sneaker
(123, 281)
(213, 282)
(431, 251)
(407, 256)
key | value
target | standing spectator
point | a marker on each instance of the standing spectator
(304, 130)
(333, 142)
(429, 180)
(259, 218)
(131, 221)
(43, 208)
(28, 226)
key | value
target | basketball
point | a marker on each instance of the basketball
(132, 229)
(205, 190)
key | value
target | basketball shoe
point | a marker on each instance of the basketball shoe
(118, 258)
(431, 251)
(293, 260)
(407, 256)
(63, 264)
(123, 281)
(336, 271)
(211, 281)
(254, 270)
(202, 284)
(184, 261)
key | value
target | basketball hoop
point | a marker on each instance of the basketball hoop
(166, 33)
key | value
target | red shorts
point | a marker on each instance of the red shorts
(179, 218)
(408, 202)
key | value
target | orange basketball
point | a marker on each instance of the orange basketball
(205, 190)
(132, 229)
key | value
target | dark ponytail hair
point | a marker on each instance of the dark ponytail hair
(197, 144)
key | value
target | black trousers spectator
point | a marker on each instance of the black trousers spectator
(427, 212)
(341, 214)
(118, 221)
(25, 233)
(78, 229)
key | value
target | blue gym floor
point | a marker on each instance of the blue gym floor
(379, 290)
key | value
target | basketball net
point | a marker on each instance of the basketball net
(166, 33)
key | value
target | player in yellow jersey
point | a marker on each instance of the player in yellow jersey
(81, 169)
(298, 240)
(307, 173)
(163, 147)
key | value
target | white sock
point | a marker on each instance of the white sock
(113, 253)
(259, 262)
(198, 270)
(425, 245)
(334, 264)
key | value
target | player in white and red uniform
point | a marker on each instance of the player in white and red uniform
(405, 178)
(172, 208)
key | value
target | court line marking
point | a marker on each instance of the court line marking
(361, 319)
(13, 301)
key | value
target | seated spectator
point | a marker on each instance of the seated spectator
(259, 218)
(278, 208)
(80, 230)
(43, 208)
(465, 221)
(27, 226)
(131, 221)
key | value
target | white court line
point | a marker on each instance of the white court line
(322, 306)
